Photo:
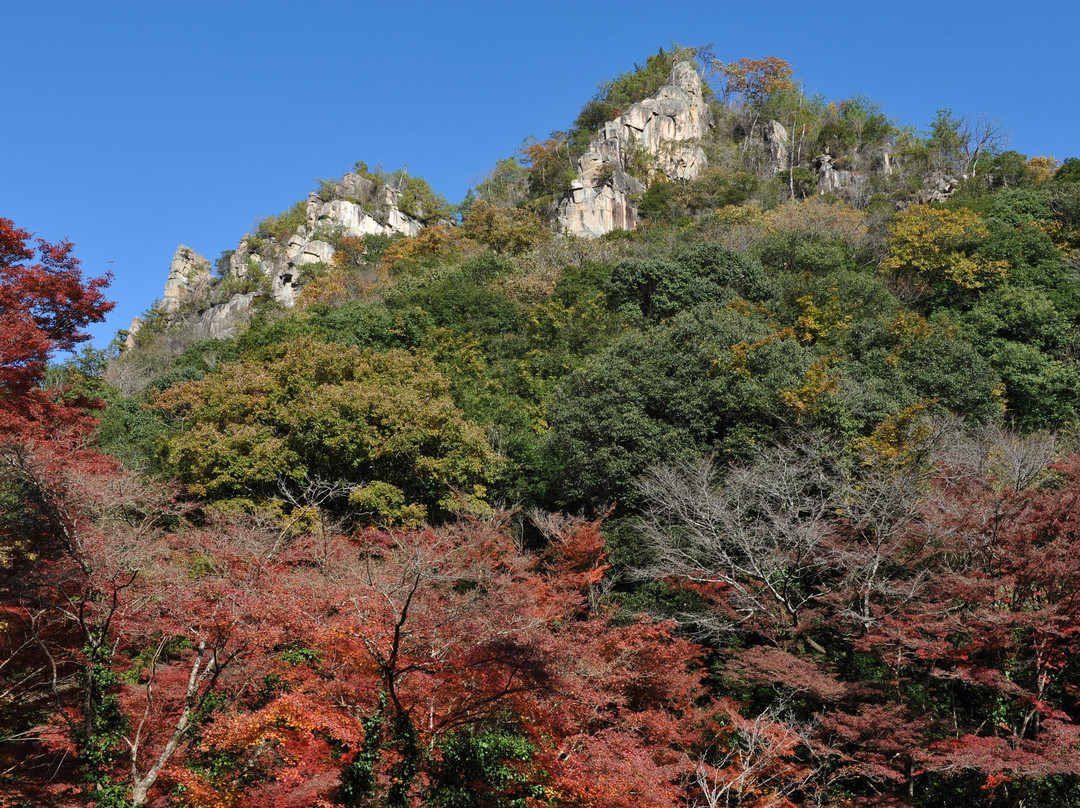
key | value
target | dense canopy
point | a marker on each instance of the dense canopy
(770, 502)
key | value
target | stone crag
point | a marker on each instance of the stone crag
(657, 138)
(666, 128)
(354, 206)
(188, 273)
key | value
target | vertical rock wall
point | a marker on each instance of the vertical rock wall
(666, 127)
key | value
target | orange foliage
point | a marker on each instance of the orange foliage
(756, 79)
(1044, 167)
(440, 242)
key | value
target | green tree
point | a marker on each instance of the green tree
(505, 186)
(1069, 171)
(383, 422)
(709, 380)
(946, 142)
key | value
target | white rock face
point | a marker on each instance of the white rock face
(775, 137)
(315, 252)
(359, 207)
(666, 127)
(349, 213)
(220, 322)
(594, 208)
(187, 272)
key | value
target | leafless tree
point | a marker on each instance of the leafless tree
(981, 136)
(799, 525)
(756, 765)
(760, 530)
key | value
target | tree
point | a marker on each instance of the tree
(505, 185)
(958, 144)
(44, 307)
(551, 165)
(916, 608)
(759, 761)
(710, 379)
(381, 421)
(505, 230)
(124, 637)
(801, 526)
(947, 142)
(933, 248)
(751, 82)
(1069, 171)
(981, 136)
(423, 649)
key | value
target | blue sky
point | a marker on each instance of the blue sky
(133, 127)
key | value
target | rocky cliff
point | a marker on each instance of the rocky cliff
(353, 206)
(658, 137)
(665, 129)
(188, 272)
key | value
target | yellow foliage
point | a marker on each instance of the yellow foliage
(441, 242)
(815, 323)
(505, 230)
(817, 383)
(350, 252)
(383, 503)
(929, 243)
(740, 214)
(907, 328)
(1044, 167)
(898, 440)
(818, 218)
(743, 226)
(337, 287)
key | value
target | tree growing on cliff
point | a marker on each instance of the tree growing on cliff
(749, 83)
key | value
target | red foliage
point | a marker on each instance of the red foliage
(289, 659)
(43, 308)
(994, 637)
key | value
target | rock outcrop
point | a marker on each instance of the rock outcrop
(221, 321)
(354, 206)
(189, 272)
(665, 128)
(851, 185)
(841, 183)
(774, 136)
(361, 208)
(937, 188)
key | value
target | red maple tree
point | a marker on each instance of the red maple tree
(44, 307)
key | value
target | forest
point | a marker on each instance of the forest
(772, 501)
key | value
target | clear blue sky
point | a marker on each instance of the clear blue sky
(133, 127)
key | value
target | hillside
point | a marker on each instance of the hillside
(718, 449)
